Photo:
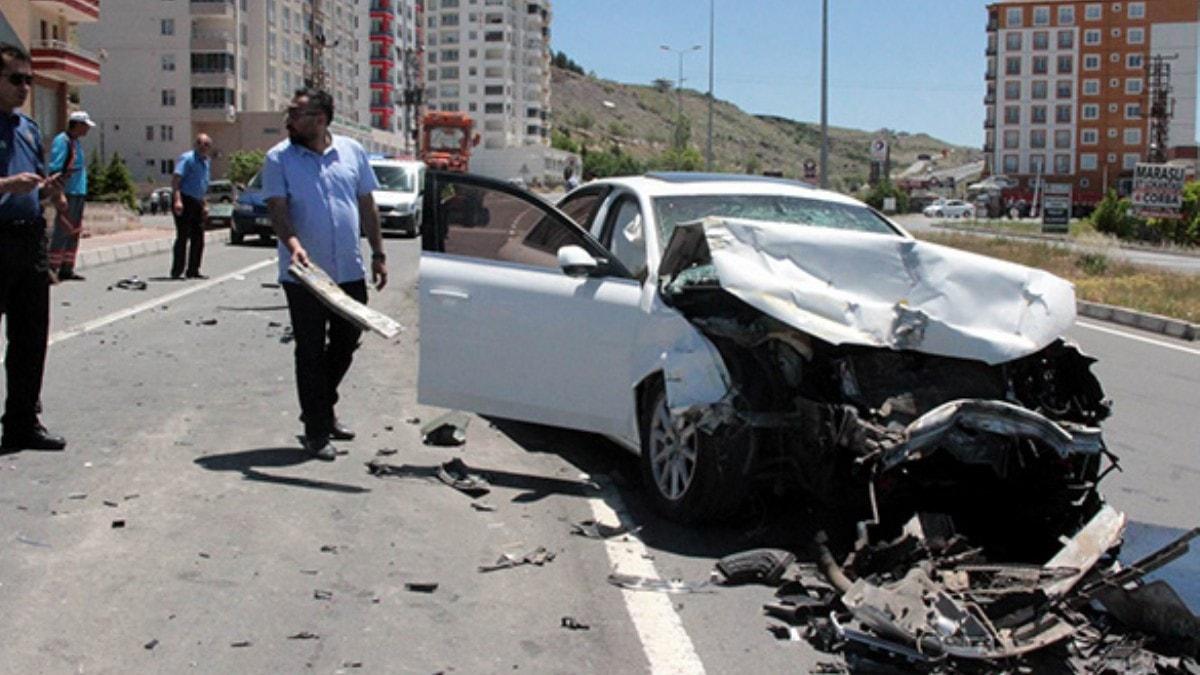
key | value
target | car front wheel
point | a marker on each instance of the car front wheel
(682, 469)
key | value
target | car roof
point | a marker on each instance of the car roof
(397, 162)
(683, 183)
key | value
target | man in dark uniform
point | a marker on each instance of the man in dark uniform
(24, 268)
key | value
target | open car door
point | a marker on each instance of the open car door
(523, 314)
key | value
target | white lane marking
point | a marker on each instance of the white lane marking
(1139, 338)
(664, 639)
(103, 321)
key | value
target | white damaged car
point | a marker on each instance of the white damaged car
(735, 330)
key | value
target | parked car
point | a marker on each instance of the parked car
(737, 331)
(250, 214)
(220, 197)
(949, 208)
(399, 195)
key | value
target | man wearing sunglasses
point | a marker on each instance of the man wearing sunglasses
(189, 187)
(318, 188)
(24, 268)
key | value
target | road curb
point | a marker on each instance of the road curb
(1153, 323)
(111, 254)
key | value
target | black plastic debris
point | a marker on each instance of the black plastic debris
(304, 635)
(538, 556)
(109, 503)
(118, 523)
(330, 548)
(636, 583)
(413, 420)
(241, 643)
(482, 506)
(758, 566)
(593, 529)
(269, 284)
(77, 495)
(132, 283)
(208, 322)
(386, 452)
(321, 594)
(446, 431)
(421, 586)
(456, 474)
(571, 623)
(151, 644)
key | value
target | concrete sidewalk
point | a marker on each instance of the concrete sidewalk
(125, 244)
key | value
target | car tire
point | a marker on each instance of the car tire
(236, 237)
(682, 467)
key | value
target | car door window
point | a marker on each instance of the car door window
(479, 218)
(624, 235)
(582, 205)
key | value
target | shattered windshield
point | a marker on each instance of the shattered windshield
(670, 211)
(394, 178)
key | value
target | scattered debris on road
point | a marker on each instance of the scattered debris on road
(412, 420)
(304, 635)
(110, 503)
(571, 623)
(321, 594)
(151, 644)
(329, 548)
(421, 586)
(482, 506)
(593, 529)
(447, 430)
(758, 566)
(207, 322)
(386, 452)
(118, 523)
(132, 283)
(77, 495)
(456, 474)
(538, 556)
(328, 292)
(636, 583)
(241, 643)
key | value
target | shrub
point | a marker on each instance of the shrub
(243, 164)
(612, 162)
(884, 190)
(1092, 264)
(1112, 216)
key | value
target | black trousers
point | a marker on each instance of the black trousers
(325, 345)
(25, 307)
(189, 229)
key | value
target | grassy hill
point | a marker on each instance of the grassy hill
(640, 120)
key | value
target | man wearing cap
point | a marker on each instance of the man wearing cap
(24, 273)
(66, 157)
(189, 187)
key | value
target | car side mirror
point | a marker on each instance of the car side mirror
(576, 262)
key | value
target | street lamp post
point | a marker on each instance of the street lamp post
(679, 88)
(708, 152)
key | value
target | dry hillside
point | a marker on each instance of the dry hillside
(640, 119)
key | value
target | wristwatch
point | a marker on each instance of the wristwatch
(378, 257)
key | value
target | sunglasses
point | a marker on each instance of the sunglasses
(18, 79)
(293, 113)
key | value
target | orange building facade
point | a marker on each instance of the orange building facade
(1070, 86)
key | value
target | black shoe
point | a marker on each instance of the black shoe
(320, 447)
(70, 275)
(37, 438)
(341, 432)
(197, 275)
(176, 277)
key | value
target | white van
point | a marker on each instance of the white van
(401, 188)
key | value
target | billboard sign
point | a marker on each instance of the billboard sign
(810, 170)
(1158, 190)
(1056, 207)
(879, 150)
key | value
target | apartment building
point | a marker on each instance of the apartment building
(491, 60)
(1070, 86)
(47, 29)
(228, 68)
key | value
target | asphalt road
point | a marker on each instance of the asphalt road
(185, 430)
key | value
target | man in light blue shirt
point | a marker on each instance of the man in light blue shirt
(318, 189)
(190, 187)
(66, 157)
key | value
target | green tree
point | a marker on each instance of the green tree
(663, 85)
(118, 182)
(683, 133)
(1112, 216)
(679, 159)
(882, 191)
(243, 164)
(96, 182)
(562, 140)
(613, 162)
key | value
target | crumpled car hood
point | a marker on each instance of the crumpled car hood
(875, 290)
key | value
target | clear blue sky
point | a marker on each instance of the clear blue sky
(911, 65)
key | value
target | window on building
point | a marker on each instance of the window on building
(1012, 114)
(1062, 165)
(1066, 15)
(449, 19)
(1133, 85)
(1014, 18)
(1037, 164)
(1041, 16)
(1137, 10)
(1012, 90)
(1037, 114)
(1038, 89)
(1133, 136)
(168, 62)
(166, 166)
(1091, 37)
(1037, 138)
(1136, 36)
(1133, 111)
(1134, 61)
(449, 55)
(149, 132)
(1065, 63)
(1012, 65)
(1091, 62)
(493, 108)
(1087, 161)
(167, 132)
(1066, 38)
(493, 90)
(1062, 89)
(167, 26)
(1093, 12)
(1012, 41)
(1041, 40)
(1062, 138)
(1011, 163)
(1129, 161)
(1040, 65)
(168, 98)
(1089, 137)
(449, 73)
(1091, 111)
(1091, 87)
(1062, 114)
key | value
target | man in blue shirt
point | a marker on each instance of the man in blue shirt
(66, 157)
(24, 272)
(318, 190)
(189, 186)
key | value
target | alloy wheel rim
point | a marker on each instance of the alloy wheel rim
(672, 454)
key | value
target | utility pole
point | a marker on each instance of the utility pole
(708, 154)
(824, 94)
(679, 88)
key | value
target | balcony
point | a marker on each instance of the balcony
(213, 41)
(991, 50)
(989, 99)
(219, 9)
(381, 7)
(989, 124)
(993, 25)
(63, 62)
(219, 79)
(74, 11)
